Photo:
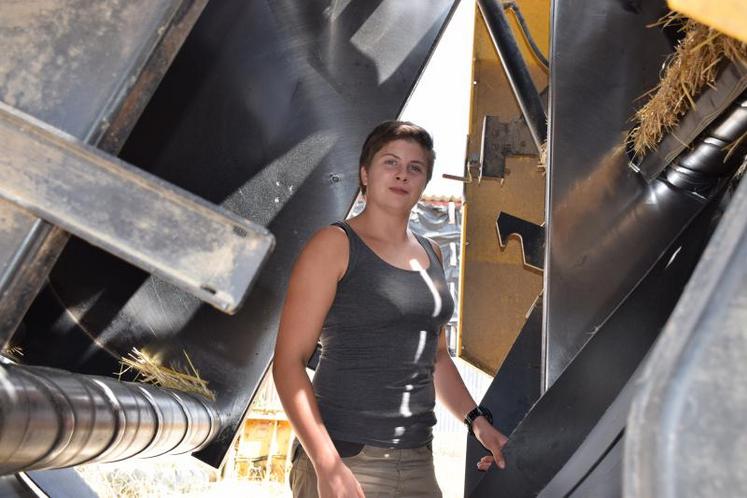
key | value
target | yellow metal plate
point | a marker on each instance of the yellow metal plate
(497, 290)
(727, 16)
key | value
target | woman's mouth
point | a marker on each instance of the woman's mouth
(399, 191)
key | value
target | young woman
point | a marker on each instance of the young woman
(375, 294)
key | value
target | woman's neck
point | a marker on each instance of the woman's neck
(383, 225)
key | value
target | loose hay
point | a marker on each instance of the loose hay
(542, 160)
(165, 476)
(13, 353)
(693, 66)
(150, 371)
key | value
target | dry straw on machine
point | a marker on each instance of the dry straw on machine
(13, 353)
(693, 66)
(150, 371)
(542, 160)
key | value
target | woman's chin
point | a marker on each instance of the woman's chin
(403, 205)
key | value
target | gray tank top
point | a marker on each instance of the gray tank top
(374, 381)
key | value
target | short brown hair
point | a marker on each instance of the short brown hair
(389, 131)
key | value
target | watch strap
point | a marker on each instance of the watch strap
(478, 411)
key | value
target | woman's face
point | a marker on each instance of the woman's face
(397, 174)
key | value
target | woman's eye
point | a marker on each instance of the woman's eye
(416, 168)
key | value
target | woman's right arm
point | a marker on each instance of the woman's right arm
(311, 291)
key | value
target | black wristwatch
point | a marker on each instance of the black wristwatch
(479, 411)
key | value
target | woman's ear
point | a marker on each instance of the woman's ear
(364, 176)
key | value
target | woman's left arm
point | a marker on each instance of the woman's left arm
(452, 392)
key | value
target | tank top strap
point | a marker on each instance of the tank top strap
(353, 249)
(428, 249)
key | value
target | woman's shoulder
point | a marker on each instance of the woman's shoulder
(329, 239)
(327, 248)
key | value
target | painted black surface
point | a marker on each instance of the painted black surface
(12, 487)
(532, 237)
(563, 417)
(605, 479)
(263, 111)
(596, 445)
(61, 483)
(605, 226)
(513, 391)
(685, 430)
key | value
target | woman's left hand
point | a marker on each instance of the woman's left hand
(493, 440)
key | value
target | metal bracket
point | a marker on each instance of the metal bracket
(516, 70)
(474, 170)
(500, 140)
(140, 218)
(530, 235)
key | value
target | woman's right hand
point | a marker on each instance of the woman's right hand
(337, 481)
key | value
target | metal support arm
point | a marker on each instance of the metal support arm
(516, 70)
(156, 226)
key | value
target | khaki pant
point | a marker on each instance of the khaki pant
(382, 472)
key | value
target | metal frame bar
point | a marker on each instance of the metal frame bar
(167, 231)
(516, 70)
(29, 246)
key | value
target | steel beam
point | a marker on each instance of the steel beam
(513, 391)
(207, 251)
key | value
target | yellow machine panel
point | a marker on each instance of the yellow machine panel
(727, 16)
(491, 320)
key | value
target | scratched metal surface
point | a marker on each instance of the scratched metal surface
(67, 62)
(87, 68)
(198, 247)
(263, 111)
